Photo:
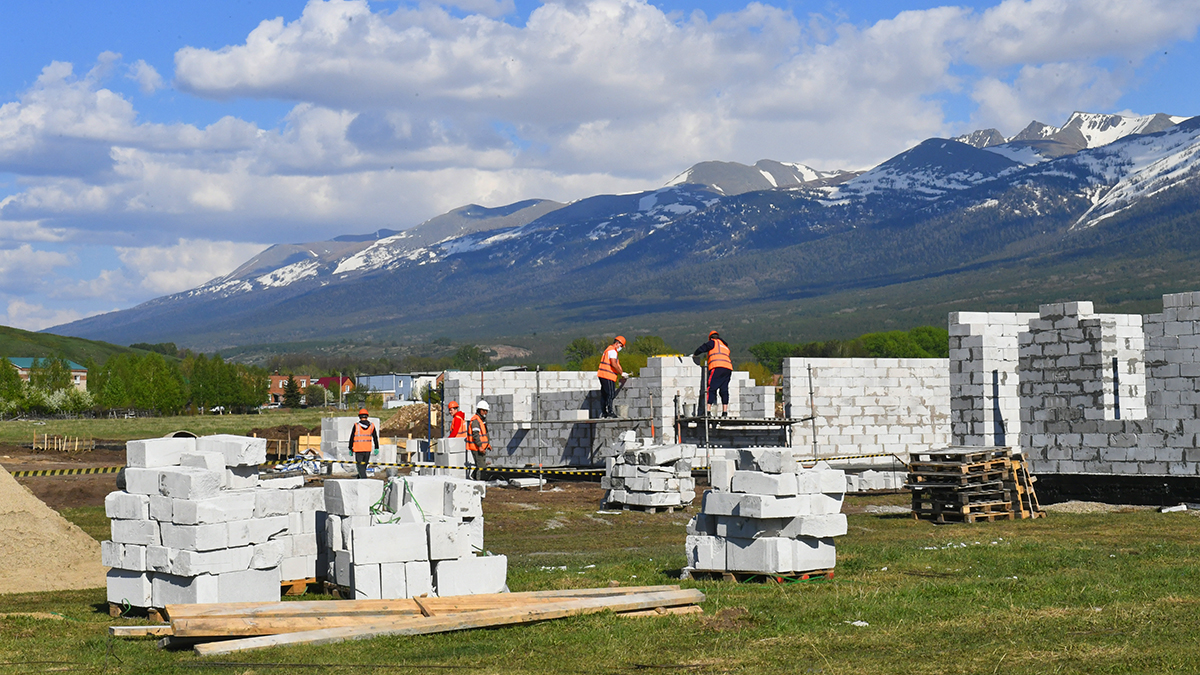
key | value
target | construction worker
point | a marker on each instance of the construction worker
(610, 373)
(458, 421)
(364, 439)
(720, 368)
(477, 439)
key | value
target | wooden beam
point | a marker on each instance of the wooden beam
(138, 631)
(663, 611)
(481, 619)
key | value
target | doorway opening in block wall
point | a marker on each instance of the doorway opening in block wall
(998, 437)
(1116, 390)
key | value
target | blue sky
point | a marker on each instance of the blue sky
(147, 147)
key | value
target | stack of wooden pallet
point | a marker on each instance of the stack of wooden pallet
(233, 627)
(970, 484)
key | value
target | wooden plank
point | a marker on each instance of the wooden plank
(425, 610)
(663, 611)
(481, 619)
(457, 603)
(138, 631)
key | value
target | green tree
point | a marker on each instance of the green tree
(50, 374)
(471, 357)
(650, 345)
(11, 385)
(291, 393)
(578, 351)
(157, 385)
(762, 375)
(935, 340)
(316, 395)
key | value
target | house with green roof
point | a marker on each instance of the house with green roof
(24, 364)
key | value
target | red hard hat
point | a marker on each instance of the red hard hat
(362, 412)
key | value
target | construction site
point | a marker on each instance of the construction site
(1026, 505)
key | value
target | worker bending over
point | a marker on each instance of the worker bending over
(364, 439)
(477, 439)
(720, 368)
(610, 373)
(458, 421)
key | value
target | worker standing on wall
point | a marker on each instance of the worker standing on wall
(364, 440)
(477, 439)
(458, 421)
(720, 368)
(610, 373)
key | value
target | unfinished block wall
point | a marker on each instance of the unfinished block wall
(523, 436)
(867, 406)
(1079, 414)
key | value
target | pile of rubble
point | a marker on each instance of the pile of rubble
(194, 524)
(413, 536)
(767, 514)
(649, 476)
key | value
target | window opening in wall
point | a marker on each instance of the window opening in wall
(1116, 390)
(998, 438)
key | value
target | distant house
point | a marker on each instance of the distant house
(78, 372)
(278, 382)
(331, 383)
(392, 386)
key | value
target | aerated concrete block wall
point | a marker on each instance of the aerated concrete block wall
(868, 406)
(567, 396)
(1082, 409)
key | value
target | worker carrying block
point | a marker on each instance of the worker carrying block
(720, 368)
(610, 374)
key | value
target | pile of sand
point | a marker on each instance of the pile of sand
(41, 550)
(410, 419)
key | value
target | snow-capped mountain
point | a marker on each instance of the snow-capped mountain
(708, 241)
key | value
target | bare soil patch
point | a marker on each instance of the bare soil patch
(60, 492)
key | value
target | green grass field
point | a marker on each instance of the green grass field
(1113, 593)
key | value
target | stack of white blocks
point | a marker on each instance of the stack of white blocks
(422, 542)
(194, 525)
(870, 480)
(767, 514)
(648, 475)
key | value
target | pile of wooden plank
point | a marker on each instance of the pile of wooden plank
(213, 629)
(971, 484)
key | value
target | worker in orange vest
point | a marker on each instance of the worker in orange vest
(364, 439)
(477, 439)
(720, 368)
(458, 421)
(610, 373)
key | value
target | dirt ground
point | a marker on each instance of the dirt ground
(60, 492)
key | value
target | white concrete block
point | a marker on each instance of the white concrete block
(393, 582)
(766, 555)
(305, 544)
(225, 507)
(343, 566)
(241, 477)
(822, 504)
(237, 450)
(159, 558)
(281, 483)
(187, 482)
(161, 508)
(471, 576)
(660, 455)
(366, 580)
(127, 506)
(351, 522)
(262, 529)
(195, 537)
(352, 497)
(266, 555)
(398, 542)
(813, 554)
(757, 482)
(212, 461)
(445, 542)
(419, 575)
(754, 506)
(832, 481)
(308, 499)
(169, 589)
(126, 586)
(333, 532)
(705, 552)
(253, 585)
(298, 567)
(269, 502)
(143, 532)
(192, 563)
(472, 531)
(157, 452)
(142, 481)
(463, 498)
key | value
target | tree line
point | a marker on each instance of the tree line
(923, 342)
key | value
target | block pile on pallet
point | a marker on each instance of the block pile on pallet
(413, 536)
(194, 524)
(650, 477)
(767, 515)
(208, 628)
(971, 484)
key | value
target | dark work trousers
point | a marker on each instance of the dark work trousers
(608, 391)
(478, 460)
(361, 459)
(718, 382)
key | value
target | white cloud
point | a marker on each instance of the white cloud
(25, 268)
(1045, 93)
(32, 316)
(148, 79)
(187, 264)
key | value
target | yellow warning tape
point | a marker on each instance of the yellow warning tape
(66, 472)
(495, 469)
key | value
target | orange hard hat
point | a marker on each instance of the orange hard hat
(452, 404)
(362, 412)
(713, 333)
(621, 339)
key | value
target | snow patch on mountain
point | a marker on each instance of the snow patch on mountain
(289, 274)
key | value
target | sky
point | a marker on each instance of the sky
(148, 147)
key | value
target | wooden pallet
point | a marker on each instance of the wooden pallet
(116, 609)
(759, 577)
(964, 456)
(297, 586)
(953, 479)
(947, 517)
(613, 506)
(956, 469)
(961, 499)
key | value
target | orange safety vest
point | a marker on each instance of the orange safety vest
(718, 356)
(483, 437)
(458, 425)
(363, 440)
(606, 370)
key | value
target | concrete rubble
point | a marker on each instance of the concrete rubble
(196, 523)
(644, 475)
(767, 514)
(411, 536)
